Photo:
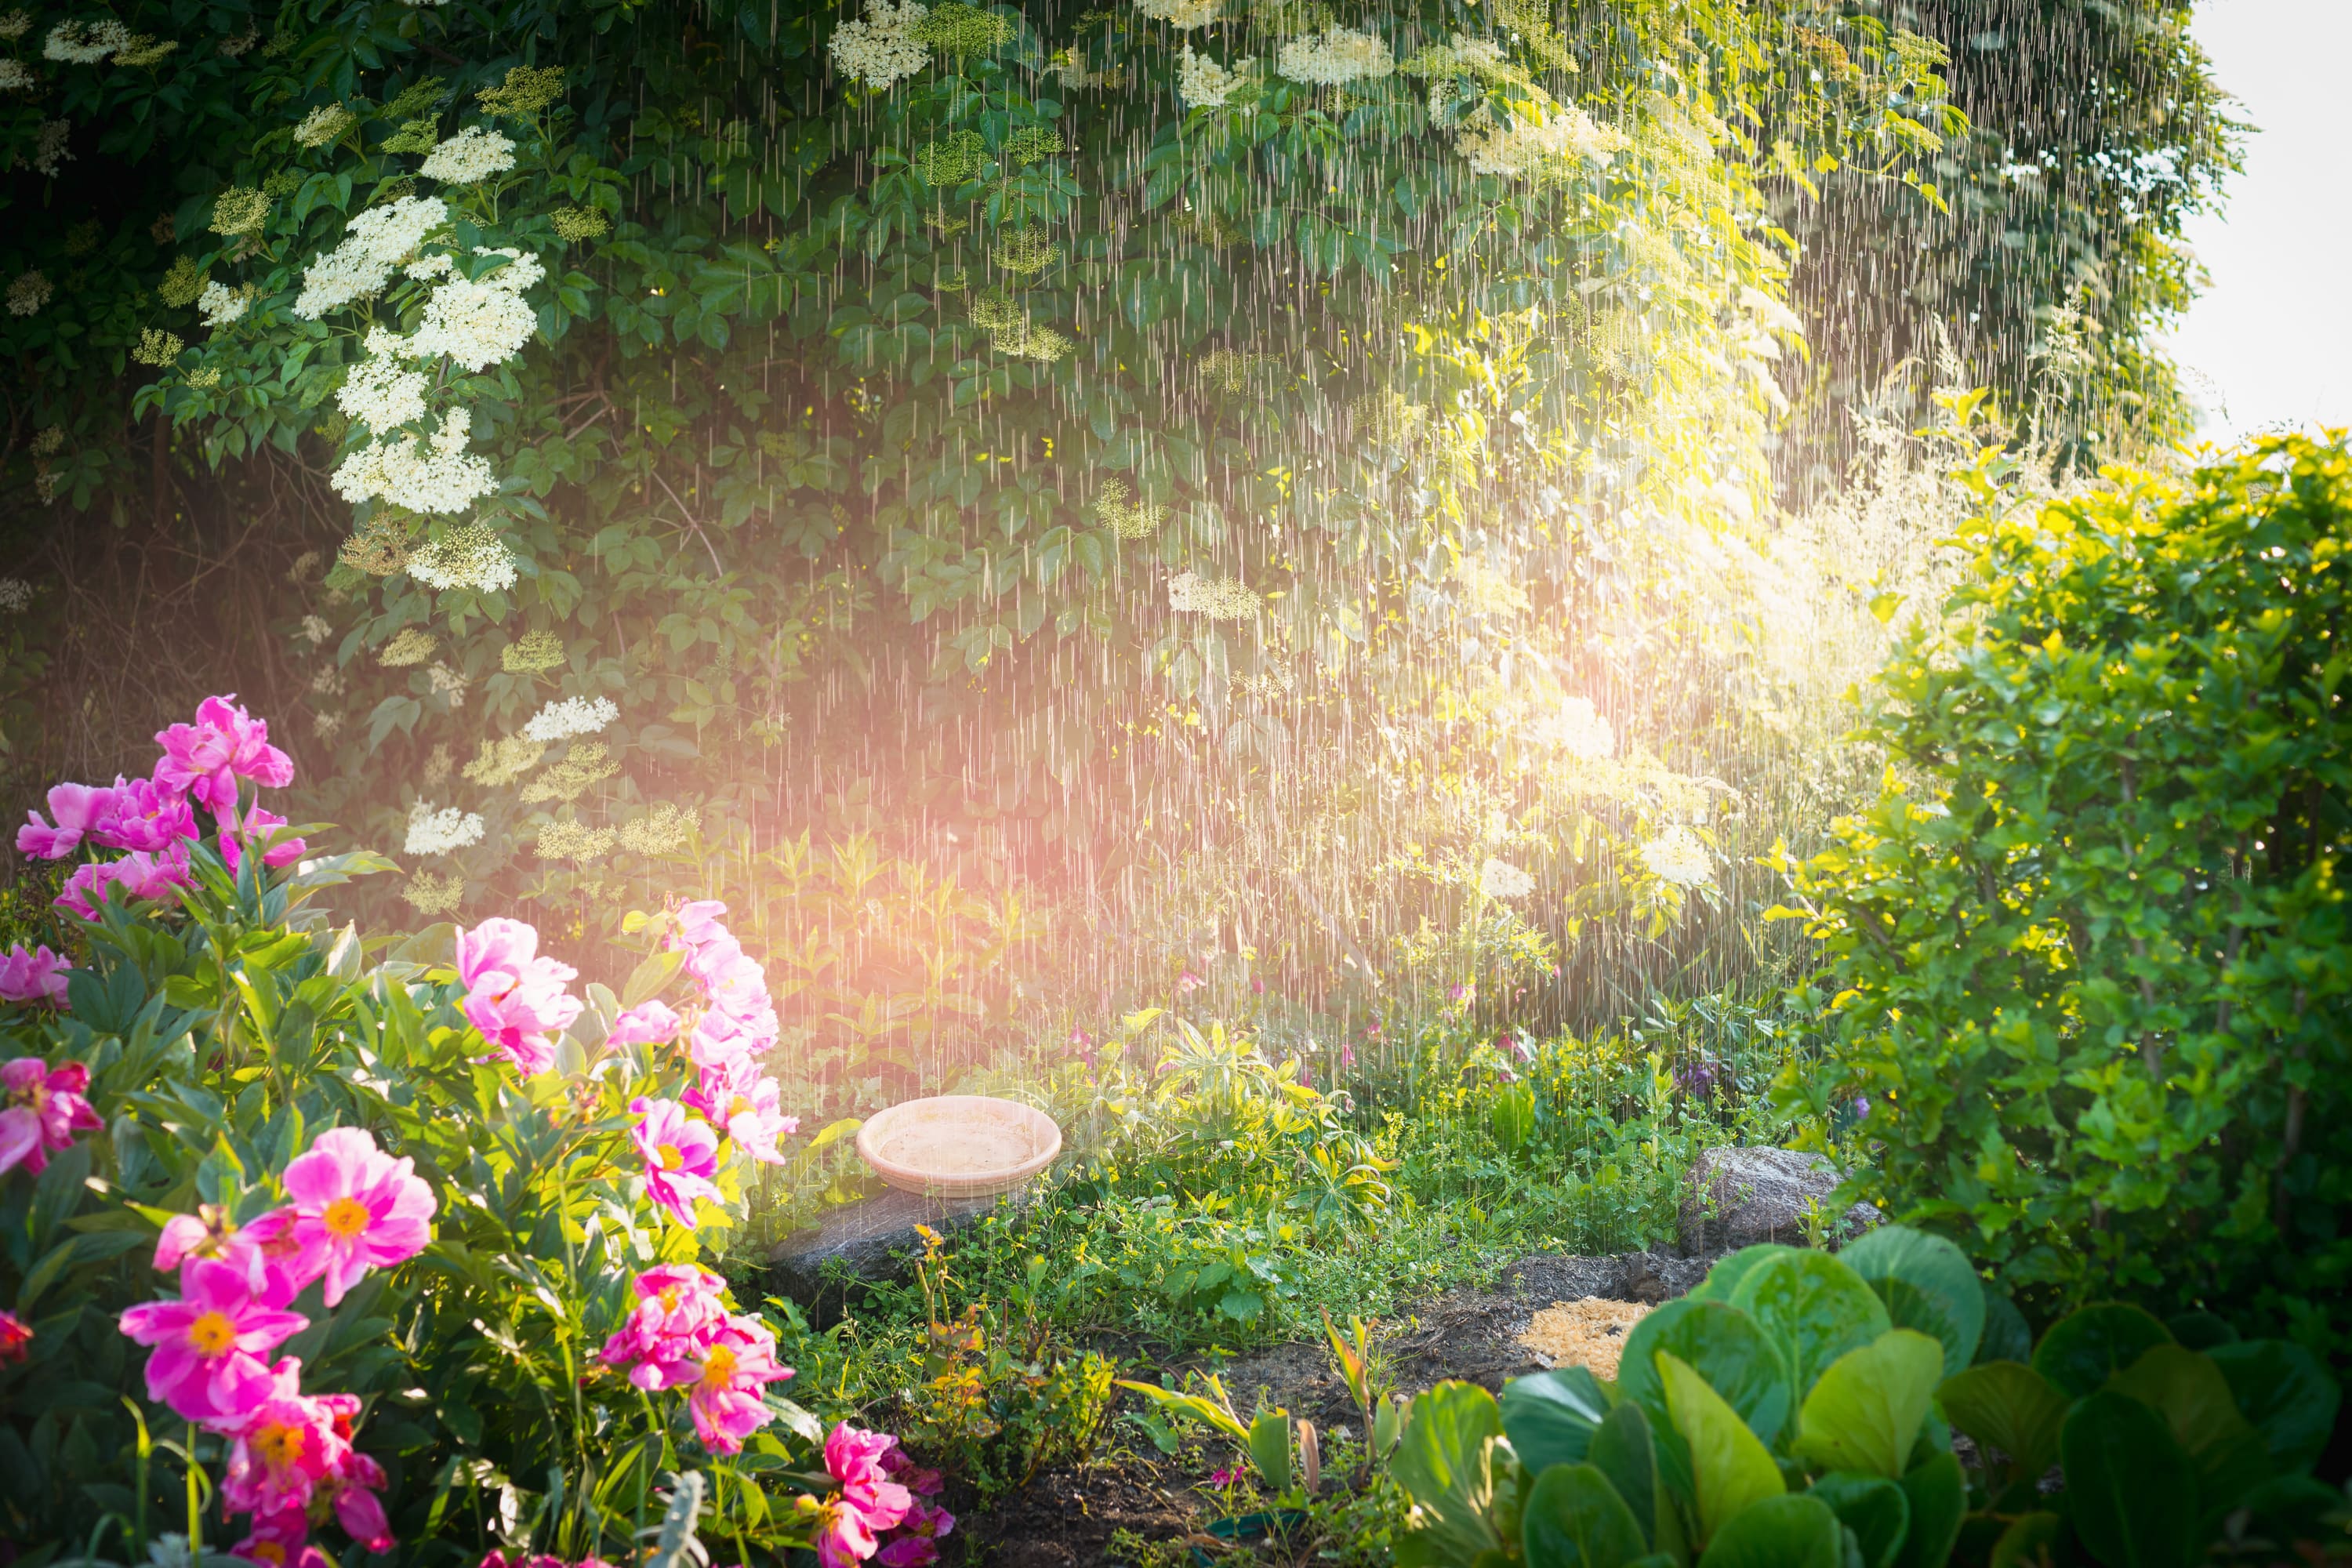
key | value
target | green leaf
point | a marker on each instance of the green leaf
(2194, 1398)
(1927, 1284)
(1864, 1413)
(2285, 1393)
(1730, 1468)
(1550, 1417)
(1574, 1519)
(1624, 1450)
(1724, 1278)
(2083, 1350)
(2030, 1540)
(2132, 1493)
(1445, 1461)
(2006, 1336)
(1269, 1448)
(2009, 1408)
(1939, 1493)
(1874, 1508)
(1814, 1306)
(1794, 1532)
(1727, 1348)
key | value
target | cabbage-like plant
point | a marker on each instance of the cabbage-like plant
(1797, 1411)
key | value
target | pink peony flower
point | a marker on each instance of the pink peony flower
(915, 1543)
(677, 1309)
(514, 996)
(698, 923)
(719, 1040)
(868, 1500)
(138, 874)
(147, 815)
(44, 1109)
(286, 1444)
(681, 1155)
(355, 1208)
(35, 977)
(224, 744)
(749, 1104)
(354, 1481)
(257, 826)
(80, 811)
(209, 1345)
(16, 1335)
(737, 1361)
(281, 1540)
(647, 1024)
(733, 983)
(903, 1470)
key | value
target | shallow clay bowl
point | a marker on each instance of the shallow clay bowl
(959, 1145)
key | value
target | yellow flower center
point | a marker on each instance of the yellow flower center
(268, 1551)
(670, 1158)
(719, 1370)
(280, 1447)
(741, 1106)
(346, 1218)
(211, 1333)
(669, 1298)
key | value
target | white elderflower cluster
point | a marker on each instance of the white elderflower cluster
(50, 153)
(14, 78)
(1203, 83)
(219, 304)
(435, 475)
(81, 44)
(444, 681)
(432, 832)
(377, 241)
(28, 293)
(1335, 57)
(1180, 13)
(571, 716)
(470, 157)
(323, 124)
(478, 325)
(1501, 879)
(1564, 136)
(15, 24)
(882, 50)
(1578, 728)
(473, 556)
(1676, 856)
(381, 393)
(1219, 598)
(15, 595)
(314, 629)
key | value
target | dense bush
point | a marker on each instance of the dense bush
(412, 1236)
(1797, 1411)
(2091, 953)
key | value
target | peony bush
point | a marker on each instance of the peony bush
(313, 1247)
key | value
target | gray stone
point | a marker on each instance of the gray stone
(1739, 1196)
(870, 1241)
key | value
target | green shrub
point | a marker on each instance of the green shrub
(1795, 1410)
(2091, 952)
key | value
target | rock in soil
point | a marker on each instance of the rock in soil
(871, 1241)
(1739, 1196)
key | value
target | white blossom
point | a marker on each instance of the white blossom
(435, 264)
(1203, 83)
(474, 154)
(1501, 879)
(432, 832)
(378, 240)
(476, 324)
(14, 78)
(1335, 57)
(1676, 856)
(1578, 728)
(85, 45)
(322, 125)
(440, 476)
(1180, 12)
(15, 24)
(882, 49)
(447, 682)
(1564, 136)
(522, 268)
(53, 150)
(1219, 598)
(473, 556)
(15, 595)
(28, 293)
(381, 393)
(314, 629)
(219, 304)
(571, 716)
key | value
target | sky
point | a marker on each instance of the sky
(2273, 334)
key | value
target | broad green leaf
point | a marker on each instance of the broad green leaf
(1724, 1278)
(1791, 1531)
(2006, 1336)
(1445, 1461)
(2009, 1408)
(1726, 1346)
(2285, 1393)
(2190, 1393)
(1864, 1412)
(2130, 1489)
(2030, 1540)
(1269, 1448)
(1927, 1284)
(1815, 1308)
(2084, 1349)
(1550, 1417)
(1939, 1493)
(1624, 1450)
(1730, 1468)
(1874, 1508)
(1574, 1519)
